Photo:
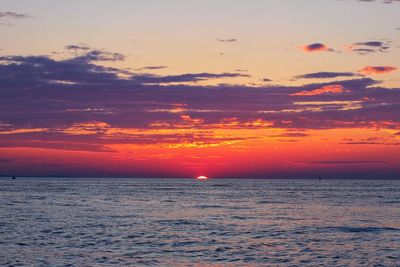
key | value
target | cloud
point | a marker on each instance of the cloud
(152, 68)
(182, 78)
(291, 134)
(377, 69)
(328, 89)
(81, 70)
(346, 162)
(376, 44)
(326, 75)
(369, 141)
(315, 47)
(99, 55)
(77, 47)
(231, 40)
(363, 48)
(13, 15)
(382, 1)
(72, 102)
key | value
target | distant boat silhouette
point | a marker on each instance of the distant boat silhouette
(13, 178)
(319, 177)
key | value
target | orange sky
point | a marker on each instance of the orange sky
(262, 89)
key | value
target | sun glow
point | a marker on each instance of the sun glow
(202, 177)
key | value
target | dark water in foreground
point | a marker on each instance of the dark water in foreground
(103, 222)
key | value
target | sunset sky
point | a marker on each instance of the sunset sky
(181, 88)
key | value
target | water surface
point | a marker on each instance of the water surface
(178, 222)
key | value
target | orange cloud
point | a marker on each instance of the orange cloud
(316, 47)
(191, 120)
(377, 69)
(328, 89)
(88, 128)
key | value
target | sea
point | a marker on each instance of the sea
(186, 222)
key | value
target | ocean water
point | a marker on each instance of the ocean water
(178, 222)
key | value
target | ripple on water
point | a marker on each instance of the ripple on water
(181, 223)
(348, 229)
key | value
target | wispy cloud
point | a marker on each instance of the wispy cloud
(14, 15)
(346, 162)
(229, 40)
(364, 48)
(326, 75)
(381, 1)
(77, 47)
(328, 89)
(181, 78)
(99, 55)
(152, 68)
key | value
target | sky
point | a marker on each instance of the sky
(182, 88)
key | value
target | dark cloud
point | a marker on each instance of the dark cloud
(13, 15)
(74, 103)
(231, 40)
(316, 47)
(345, 162)
(80, 70)
(376, 44)
(153, 68)
(99, 55)
(77, 47)
(364, 48)
(189, 77)
(326, 75)
(377, 69)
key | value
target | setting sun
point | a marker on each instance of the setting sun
(202, 177)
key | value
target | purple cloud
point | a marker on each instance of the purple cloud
(152, 68)
(98, 55)
(316, 47)
(77, 48)
(364, 48)
(188, 77)
(42, 99)
(346, 162)
(326, 75)
(13, 15)
(230, 40)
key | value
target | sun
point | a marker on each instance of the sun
(201, 177)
